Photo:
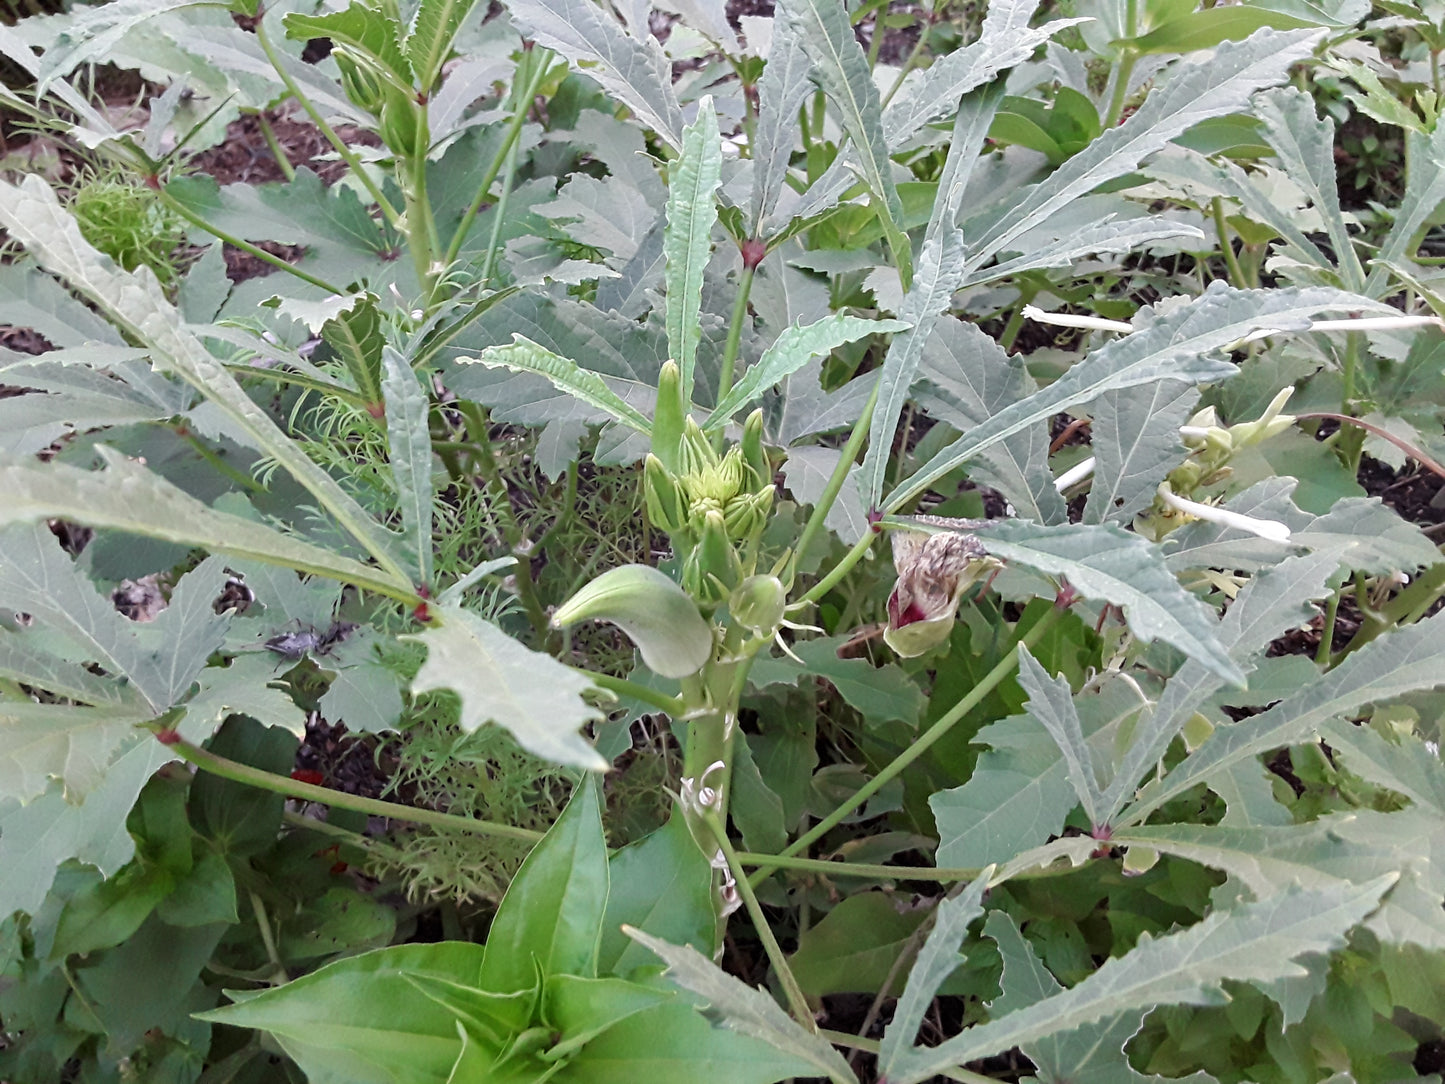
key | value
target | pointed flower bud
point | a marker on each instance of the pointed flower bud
(667, 418)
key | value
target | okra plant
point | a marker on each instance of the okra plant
(776, 343)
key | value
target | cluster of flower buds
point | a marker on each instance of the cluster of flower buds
(401, 120)
(712, 506)
(1212, 445)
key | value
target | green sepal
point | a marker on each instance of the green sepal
(666, 509)
(760, 468)
(713, 566)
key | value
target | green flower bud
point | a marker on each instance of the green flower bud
(760, 469)
(363, 86)
(403, 126)
(667, 418)
(758, 604)
(713, 566)
(666, 509)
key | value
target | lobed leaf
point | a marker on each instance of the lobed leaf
(499, 680)
(1051, 702)
(525, 356)
(691, 212)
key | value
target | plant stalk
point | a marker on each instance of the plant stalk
(928, 739)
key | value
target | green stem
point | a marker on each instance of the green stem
(735, 333)
(421, 230)
(1125, 68)
(1327, 631)
(841, 569)
(282, 162)
(245, 246)
(499, 216)
(908, 63)
(268, 940)
(669, 705)
(542, 60)
(835, 483)
(1407, 607)
(871, 1046)
(347, 155)
(1226, 246)
(856, 869)
(352, 839)
(478, 425)
(241, 478)
(300, 380)
(293, 788)
(797, 1001)
(929, 738)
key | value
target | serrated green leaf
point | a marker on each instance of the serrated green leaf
(691, 212)
(127, 497)
(1268, 605)
(793, 349)
(74, 745)
(432, 33)
(1408, 768)
(1257, 942)
(1115, 566)
(1135, 436)
(1172, 346)
(498, 680)
(1305, 144)
(1051, 702)
(1195, 91)
(409, 441)
(744, 1009)
(782, 90)
(1211, 27)
(362, 28)
(525, 356)
(937, 959)
(940, 269)
(1403, 661)
(30, 298)
(1006, 40)
(355, 335)
(23, 658)
(1092, 238)
(134, 301)
(964, 379)
(841, 69)
(37, 837)
(636, 73)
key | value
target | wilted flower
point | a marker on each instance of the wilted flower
(933, 572)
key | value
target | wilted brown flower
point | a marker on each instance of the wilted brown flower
(933, 572)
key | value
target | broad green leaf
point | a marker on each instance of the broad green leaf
(41, 742)
(93, 30)
(1136, 443)
(134, 301)
(937, 959)
(242, 820)
(691, 211)
(30, 298)
(499, 680)
(880, 694)
(1196, 90)
(807, 471)
(1268, 605)
(1403, 661)
(110, 911)
(1113, 565)
(525, 356)
(1211, 27)
(662, 884)
(361, 1020)
(1051, 702)
(429, 42)
(582, 1009)
(841, 69)
(964, 379)
(1305, 144)
(1408, 768)
(793, 349)
(784, 87)
(940, 269)
(551, 916)
(854, 948)
(744, 1009)
(127, 497)
(409, 440)
(1172, 345)
(674, 1042)
(636, 73)
(1257, 942)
